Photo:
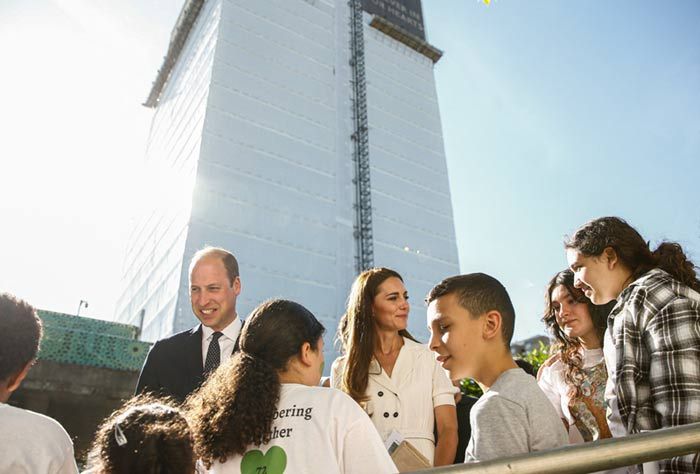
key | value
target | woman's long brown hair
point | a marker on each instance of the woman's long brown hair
(357, 333)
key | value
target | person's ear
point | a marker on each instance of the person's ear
(237, 285)
(611, 259)
(305, 354)
(492, 324)
(14, 381)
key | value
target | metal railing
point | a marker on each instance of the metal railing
(590, 457)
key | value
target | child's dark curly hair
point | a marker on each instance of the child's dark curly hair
(147, 435)
(235, 406)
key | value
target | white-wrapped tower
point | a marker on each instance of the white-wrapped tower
(305, 137)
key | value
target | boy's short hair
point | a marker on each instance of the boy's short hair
(479, 293)
(20, 333)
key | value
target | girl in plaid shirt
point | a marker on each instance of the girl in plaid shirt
(652, 342)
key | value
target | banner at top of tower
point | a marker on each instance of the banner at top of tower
(406, 14)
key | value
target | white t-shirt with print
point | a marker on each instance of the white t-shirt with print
(554, 385)
(315, 430)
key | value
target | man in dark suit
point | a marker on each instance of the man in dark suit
(176, 366)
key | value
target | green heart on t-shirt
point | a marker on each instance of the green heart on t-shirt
(274, 461)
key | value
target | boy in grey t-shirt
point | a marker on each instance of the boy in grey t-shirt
(471, 320)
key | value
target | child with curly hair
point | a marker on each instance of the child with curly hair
(146, 435)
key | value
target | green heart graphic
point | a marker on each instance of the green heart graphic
(274, 461)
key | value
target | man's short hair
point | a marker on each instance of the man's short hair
(479, 293)
(229, 261)
(20, 334)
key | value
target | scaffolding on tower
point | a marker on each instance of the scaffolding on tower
(363, 190)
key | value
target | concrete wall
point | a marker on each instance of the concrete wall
(77, 396)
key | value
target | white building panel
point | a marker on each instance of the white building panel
(154, 262)
(267, 181)
(412, 211)
(254, 126)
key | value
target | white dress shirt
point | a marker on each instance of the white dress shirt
(226, 342)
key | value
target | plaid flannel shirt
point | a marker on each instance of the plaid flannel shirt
(655, 327)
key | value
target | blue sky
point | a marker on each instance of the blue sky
(558, 112)
(553, 113)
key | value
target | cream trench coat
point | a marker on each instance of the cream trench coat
(405, 402)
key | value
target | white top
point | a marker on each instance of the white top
(226, 342)
(406, 401)
(316, 430)
(32, 443)
(591, 407)
(552, 383)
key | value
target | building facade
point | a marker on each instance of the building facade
(254, 148)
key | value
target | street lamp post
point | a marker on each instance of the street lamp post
(80, 305)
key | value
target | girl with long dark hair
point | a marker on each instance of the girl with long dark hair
(392, 376)
(574, 377)
(263, 410)
(652, 342)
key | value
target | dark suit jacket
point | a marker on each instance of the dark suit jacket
(174, 365)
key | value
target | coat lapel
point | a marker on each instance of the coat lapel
(380, 377)
(400, 373)
(194, 367)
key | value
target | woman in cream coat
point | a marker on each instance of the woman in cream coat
(392, 376)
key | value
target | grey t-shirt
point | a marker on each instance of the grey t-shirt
(513, 417)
